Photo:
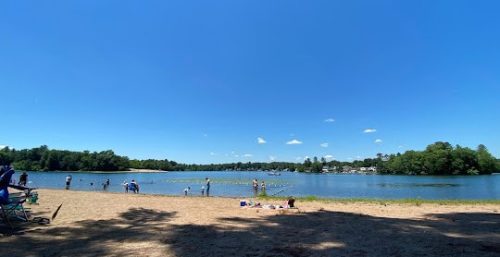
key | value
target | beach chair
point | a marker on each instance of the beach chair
(11, 205)
(29, 193)
(14, 210)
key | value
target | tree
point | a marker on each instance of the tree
(307, 163)
(486, 162)
(323, 161)
(440, 158)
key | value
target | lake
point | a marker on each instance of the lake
(238, 184)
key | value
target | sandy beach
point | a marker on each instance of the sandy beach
(114, 224)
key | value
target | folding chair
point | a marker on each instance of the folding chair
(11, 205)
(14, 210)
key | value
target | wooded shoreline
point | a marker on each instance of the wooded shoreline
(440, 158)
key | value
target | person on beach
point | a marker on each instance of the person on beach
(263, 186)
(23, 179)
(208, 186)
(105, 185)
(6, 173)
(133, 186)
(255, 185)
(68, 181)
(186, 190)
(202, 190)
(125, 186)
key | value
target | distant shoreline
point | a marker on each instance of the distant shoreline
(312, 173)
(104, 172)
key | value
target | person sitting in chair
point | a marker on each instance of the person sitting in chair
(6, 173)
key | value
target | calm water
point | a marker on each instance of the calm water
(297, 184)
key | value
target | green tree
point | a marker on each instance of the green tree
(486, 162)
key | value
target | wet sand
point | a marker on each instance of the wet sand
(114, 224)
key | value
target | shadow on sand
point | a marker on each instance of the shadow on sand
(146, 232)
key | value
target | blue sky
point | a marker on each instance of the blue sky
(200, 81)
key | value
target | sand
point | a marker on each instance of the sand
(114, 224)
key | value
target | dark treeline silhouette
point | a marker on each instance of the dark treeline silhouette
(440, 158)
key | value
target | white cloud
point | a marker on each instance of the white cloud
(272, 158)
(247, 155)
(328, 156)
(294, 142)
(378, 141)
(212, 154)
(400, 146)
(329, 120)
(307, 157)
(299, 158)
(3, 146)
(358, 157)
(369, 130)
(261, 140)
(325, 145)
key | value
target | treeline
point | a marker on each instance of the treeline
(42, 158)
(440, 158)
(173, 166)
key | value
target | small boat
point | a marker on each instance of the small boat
(274, 173)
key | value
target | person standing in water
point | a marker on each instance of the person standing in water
(23, 179)
(68, 181)
(255, 185)
(105, 185)
(125, 185)
(186, 191)
(132, 186)
(263, 187)
(208, 186)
